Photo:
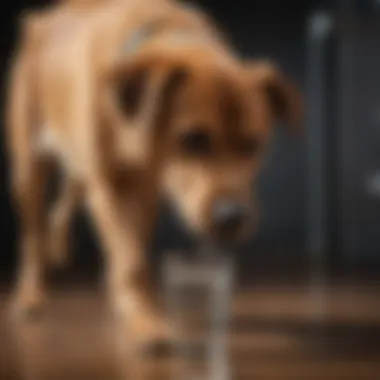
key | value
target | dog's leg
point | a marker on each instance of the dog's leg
(29, 186)
(28, 171)
(124, 240)
(59, 220)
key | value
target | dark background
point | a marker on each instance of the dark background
(278, 29)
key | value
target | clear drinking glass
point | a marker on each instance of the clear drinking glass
(198, 291)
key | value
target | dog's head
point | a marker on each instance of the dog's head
(210, 125)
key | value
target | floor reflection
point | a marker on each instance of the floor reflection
(274, 336)
(80, 342)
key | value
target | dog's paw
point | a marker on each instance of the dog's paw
(152, 333)
(26, 305)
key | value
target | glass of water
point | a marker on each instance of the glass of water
(198, 290)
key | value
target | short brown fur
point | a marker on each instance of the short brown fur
(66, 81)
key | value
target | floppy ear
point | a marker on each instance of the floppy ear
(145, 89)
(284, 98)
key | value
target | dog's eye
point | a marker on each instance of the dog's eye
(196, 143)
(248, 147)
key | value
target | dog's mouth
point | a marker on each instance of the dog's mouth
(228, 236)
(228, 227)
(229, 239)
(221, 245)
(231, 226)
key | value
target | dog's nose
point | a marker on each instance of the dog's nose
(228, 216)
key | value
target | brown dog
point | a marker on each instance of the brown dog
(134, 99)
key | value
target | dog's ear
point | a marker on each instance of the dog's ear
(129, 89)
(284, 98)
(146, 88)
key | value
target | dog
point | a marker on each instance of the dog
(135, 100)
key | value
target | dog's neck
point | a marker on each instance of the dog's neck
(140, 36)
(155, 27)
(157, 34)
(159, 29)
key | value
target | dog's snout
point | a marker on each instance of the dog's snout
(228, 216)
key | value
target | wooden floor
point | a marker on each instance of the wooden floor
(278, 332)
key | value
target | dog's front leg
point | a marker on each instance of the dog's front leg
(123, 238)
